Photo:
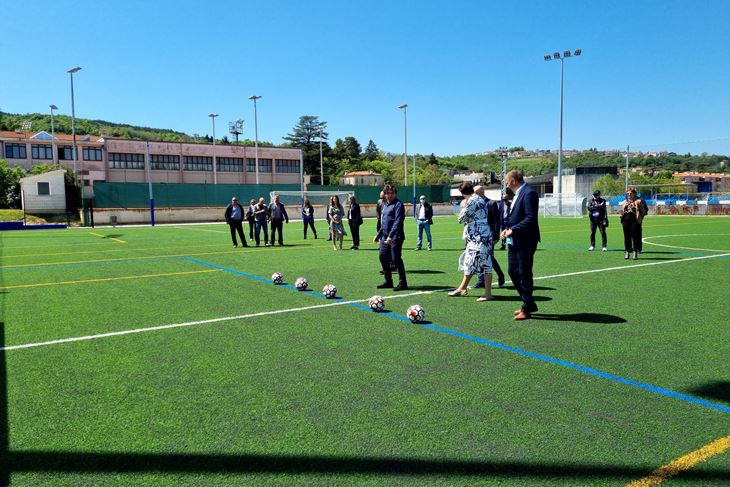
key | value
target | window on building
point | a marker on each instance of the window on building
(287, 166)
(229, 164)
(44, 188)
(160, 162)
(119, 160)
(15, 151)
(91, 153)
(41, 151)
(198, 163)
(65, 153)
(264, 165)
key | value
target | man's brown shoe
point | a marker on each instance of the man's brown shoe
(518, 311)
(522, 316)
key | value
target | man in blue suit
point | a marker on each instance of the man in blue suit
(522, 233)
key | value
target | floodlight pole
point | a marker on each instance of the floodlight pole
(503, 156)
(626, 189)
(73, 124)
(256, 130)
(321, 158)
(404, 107)
(149, 185)
(215, 172)
(53, 135)
(557, 56)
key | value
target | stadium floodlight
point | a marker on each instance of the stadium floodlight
(73, 122)
(556, 55)
(215, 173)
(256, 131)
(404, 107)
(547, 57)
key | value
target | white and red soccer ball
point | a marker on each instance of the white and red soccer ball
(329, 291)
(377, 303)
(277, 277)
(416, 313)
(301, 284)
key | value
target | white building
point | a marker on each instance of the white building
(44, 193)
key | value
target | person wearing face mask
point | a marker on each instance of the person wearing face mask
(424, 220)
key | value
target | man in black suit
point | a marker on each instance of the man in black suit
(522, 233)
(391, 236)
(277, 216)
(234, 217)
(354, 219)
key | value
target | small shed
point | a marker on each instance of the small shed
(44, 193)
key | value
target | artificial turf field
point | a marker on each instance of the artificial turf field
(625, 368)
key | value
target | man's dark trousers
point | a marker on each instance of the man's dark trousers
(277, 225)
(519, 267)
(237, 226)
(392, 254)
(598, 224)
(355, 231)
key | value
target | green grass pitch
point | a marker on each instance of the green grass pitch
(625, 368)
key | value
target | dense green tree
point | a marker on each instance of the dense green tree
(306, 135)
(347, 149)
(371, 151)
(10, 185)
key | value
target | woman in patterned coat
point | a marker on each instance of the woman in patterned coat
(476, 258)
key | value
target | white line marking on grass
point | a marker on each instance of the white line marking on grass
(204, 322)
(646, 241)
(201, 230)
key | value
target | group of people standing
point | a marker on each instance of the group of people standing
(485, 221)
(259, 216)
(633, 211)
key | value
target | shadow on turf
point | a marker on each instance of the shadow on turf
(718, 390)
(424, 271)
(580, 317)
(95, 462)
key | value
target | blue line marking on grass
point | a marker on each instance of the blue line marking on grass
(507, 348)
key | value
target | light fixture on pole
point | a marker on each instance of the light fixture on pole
(503, 157)
(256, 131)
(53, 135)
(404, 107)
(215, 172)
(73, 123)
(557, 56)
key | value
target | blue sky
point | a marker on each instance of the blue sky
(653, 74)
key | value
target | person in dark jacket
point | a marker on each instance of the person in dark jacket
(424, 220)
(354, 219)
(599, 219)
(504, 207)
(523, 234)
(234, 217)
(391, 237)
(379, 210)
(277, 216)
(250, 218)
(308, 217)
(259, 213)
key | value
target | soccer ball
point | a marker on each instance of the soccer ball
(415, 313)
(301, 284)
(376, 303)
(277, 277)
(329, 291)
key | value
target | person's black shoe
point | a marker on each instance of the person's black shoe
(402, 286)
(382, 272)
(244, 245)
(385, 285)
(500, 282)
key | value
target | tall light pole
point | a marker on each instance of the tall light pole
(73, 123)
(53, 135)
(321, 157)
(215, 172)
(404, 107)
(503, 156)
(548, 57)
(256, 131)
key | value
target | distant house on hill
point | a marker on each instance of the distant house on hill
(706, 182)
(361, 178)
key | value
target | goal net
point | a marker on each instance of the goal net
(565, 204)
(317, 198)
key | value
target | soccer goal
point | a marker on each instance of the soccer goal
(317, 198)
(565, 204)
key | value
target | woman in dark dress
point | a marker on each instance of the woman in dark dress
(631, 218)
(308, 217)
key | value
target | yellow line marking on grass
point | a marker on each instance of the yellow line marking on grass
(17, 286)
(686, 462)
(164, 256)
(109, 238)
